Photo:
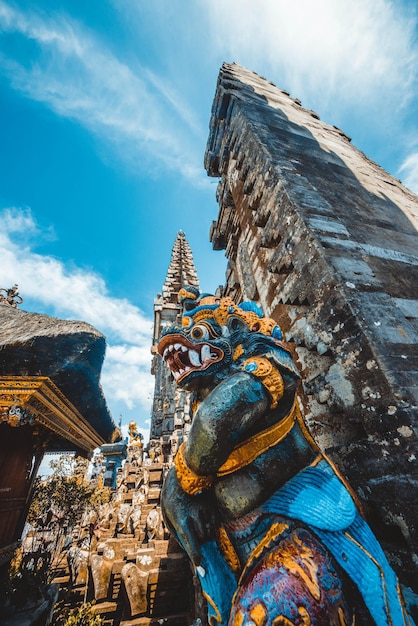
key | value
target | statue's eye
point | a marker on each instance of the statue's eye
(199, 332)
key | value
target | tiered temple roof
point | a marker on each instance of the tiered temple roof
(181, 270)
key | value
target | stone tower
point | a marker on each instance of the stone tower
(171, 412)
(326, 242)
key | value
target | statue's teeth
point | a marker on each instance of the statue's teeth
(194, 358)
(165, 353)
(177, 346)
(176, 375)
(205, 352)
(183, 349)
(171, 348)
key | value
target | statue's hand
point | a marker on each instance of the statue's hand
(191, 519)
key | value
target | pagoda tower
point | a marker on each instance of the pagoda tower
(171, 412)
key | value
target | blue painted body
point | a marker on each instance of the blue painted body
(278, 538)
(318, 498)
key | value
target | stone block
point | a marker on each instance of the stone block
(161, 547)
(145, 559)
(136, 585)
(101, 569)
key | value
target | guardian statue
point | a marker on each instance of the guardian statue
(274, 532)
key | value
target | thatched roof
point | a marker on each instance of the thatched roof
(70, 353)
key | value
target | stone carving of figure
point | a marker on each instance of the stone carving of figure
(10, 296)
(136, 586)
(78, 555)
(134, 434)
(124, 512)
(120, 493)
(153, 524)
(101, 570)
(134, 522)
(174, 445)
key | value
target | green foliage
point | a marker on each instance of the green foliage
(27, 579)
(64, 491)
(82, 616)
(100, 495)
(58, 504)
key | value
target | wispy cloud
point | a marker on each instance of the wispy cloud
(338, 53)
(71, 292)
(409, 172)
(71, 71)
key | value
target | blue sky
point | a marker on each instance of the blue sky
(104, 113)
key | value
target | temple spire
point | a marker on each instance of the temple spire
(171, 411)
(181, 270)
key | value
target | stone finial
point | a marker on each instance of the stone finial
(10, 297)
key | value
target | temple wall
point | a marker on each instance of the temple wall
(326, 242)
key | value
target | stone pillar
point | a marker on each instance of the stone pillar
(326, 242)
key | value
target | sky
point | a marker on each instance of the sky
(104, 116)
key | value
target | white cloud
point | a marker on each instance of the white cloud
(73, 292)
(74, 74)
(17, 221)
(409, 172)
(126, 375)
(336, 52)
(339, 57)
(131, 355)
(69, 290)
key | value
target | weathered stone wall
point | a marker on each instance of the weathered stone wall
(324, 240)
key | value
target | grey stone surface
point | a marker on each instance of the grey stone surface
(330, 245)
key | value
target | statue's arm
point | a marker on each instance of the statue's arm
(223, 420)
(191, 519)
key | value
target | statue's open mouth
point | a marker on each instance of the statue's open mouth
(183, 357)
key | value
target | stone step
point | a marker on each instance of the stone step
(146, 508)
(161, 547)
(154, 495)
(104, 608)
(164, 579)
(61, 580)
(155, 475)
